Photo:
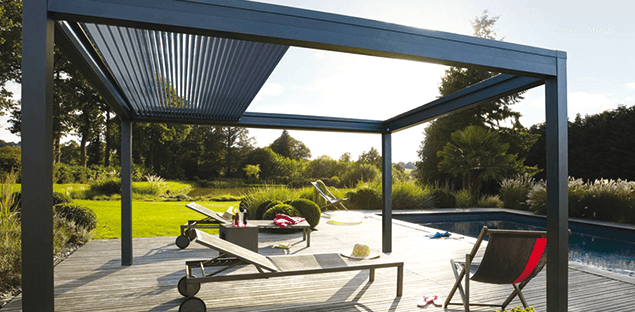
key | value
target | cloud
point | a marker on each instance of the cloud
(584, 103)
(630, 85)
(629, 99)
(269, 89)
(372, 88)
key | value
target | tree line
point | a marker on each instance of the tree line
(600, 146)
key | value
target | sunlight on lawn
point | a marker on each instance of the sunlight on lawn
(149, 219)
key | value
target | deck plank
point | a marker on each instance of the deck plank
(92, 279)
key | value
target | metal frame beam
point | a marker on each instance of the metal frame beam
(490, 89)
(386, 189)
(304, 28)
(37, 158)
(126, 192)
(282, 121)
(557, 190)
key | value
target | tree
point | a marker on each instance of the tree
(372, 157)
(289, 147)
(202, 153)
(491, 115)
(478, 155)
(600, 146)
(10, 49)
(10, 159)
(237, 143)
(321, 167)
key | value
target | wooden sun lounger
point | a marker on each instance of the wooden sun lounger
(214, 219)
(233, 258)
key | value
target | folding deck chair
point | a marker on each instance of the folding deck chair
(214, 219)
(237, 263)
(340, 217)
(331, 200)
(511, 257)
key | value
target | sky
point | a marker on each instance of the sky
(599, 38)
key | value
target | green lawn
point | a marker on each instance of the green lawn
(149, 219)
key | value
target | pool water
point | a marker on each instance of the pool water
(614, 252)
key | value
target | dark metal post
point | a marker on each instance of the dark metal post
(126, 192)
(557, 189)
(37, 157)
(386, 185)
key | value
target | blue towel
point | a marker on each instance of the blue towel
(438, 235)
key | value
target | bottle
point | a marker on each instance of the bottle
(236, 219)
(244, 212)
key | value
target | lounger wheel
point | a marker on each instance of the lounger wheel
(191, 234)
(182, 241)
(187, 291)
(192, 305)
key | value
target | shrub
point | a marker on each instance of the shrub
(58, 198)
(308, 210)
(335, 181)
(514, 192)
(271, 213)
(410, 196)
(591, 200)
(364, 198)
(489, 201)
(11, 256)
(464, 199)
(10, 237)
(81, 216)
(264, 206)
(63, 173)
(105, 186)
(444, 199)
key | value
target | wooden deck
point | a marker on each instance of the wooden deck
(92, 279)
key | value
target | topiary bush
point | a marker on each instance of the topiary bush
(258, 195)
(444, 199)
(264, 206)
(287, 209)
(82, 216)
(59, 198)
(308, 210)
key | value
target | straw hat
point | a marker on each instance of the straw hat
(361, 251)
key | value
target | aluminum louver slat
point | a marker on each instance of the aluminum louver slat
(169, 74)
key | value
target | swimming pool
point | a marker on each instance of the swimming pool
(609, 247)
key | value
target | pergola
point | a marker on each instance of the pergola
(204, 61)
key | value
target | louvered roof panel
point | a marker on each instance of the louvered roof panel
(166, 74)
